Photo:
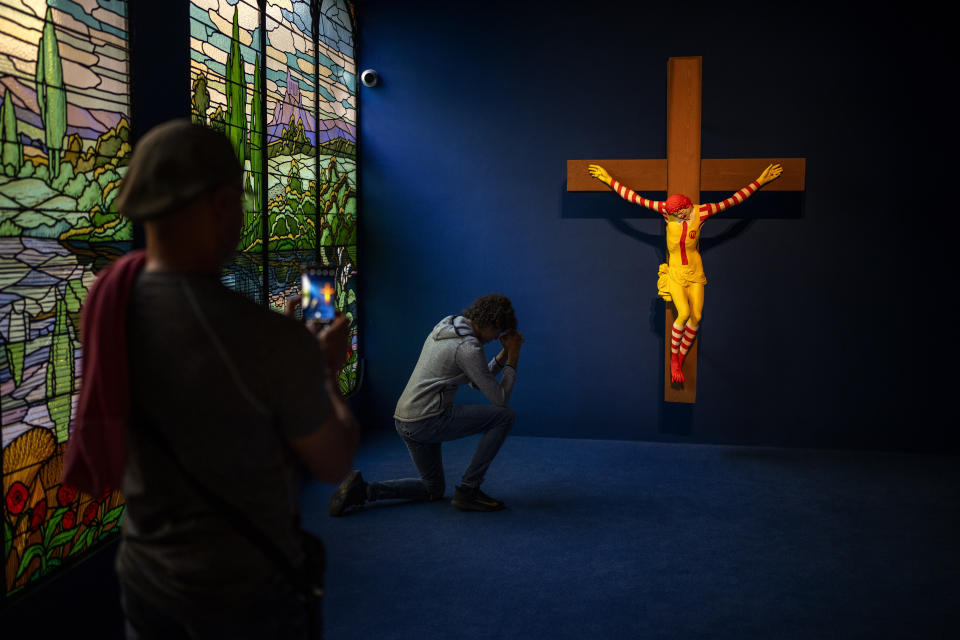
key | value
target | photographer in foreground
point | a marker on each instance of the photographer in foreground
(214, 433)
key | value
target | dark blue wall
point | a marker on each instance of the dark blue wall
(810, 334)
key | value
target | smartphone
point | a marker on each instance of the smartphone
(319, 294)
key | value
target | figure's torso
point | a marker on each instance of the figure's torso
(683, 241)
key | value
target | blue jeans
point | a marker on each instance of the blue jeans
(423, 439)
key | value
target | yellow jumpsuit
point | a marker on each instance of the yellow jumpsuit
(681, 278)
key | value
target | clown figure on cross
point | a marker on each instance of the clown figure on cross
(681, 278)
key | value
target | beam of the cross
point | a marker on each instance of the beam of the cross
(684, 171)
(716, 174)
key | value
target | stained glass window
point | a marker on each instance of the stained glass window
(225, 60)
(337, 162)
(65, 143)
(292, 62)
(291, 146)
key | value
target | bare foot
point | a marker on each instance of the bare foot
(675, 372)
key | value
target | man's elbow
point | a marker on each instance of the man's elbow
(328, 453)
(333, 466)
(500, 401)
(334, 473)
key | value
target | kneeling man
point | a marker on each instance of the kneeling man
(425, 417)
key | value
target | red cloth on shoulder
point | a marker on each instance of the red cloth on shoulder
(97, 450)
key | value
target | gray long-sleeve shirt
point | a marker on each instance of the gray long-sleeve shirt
(452, 355)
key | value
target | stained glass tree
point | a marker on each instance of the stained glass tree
(65, 142)
(224, 52)
(299, 78)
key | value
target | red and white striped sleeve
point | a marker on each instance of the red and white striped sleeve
(707, 210)
(630, 195)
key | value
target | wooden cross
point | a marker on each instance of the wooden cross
(684, 171)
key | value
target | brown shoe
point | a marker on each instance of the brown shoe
(472, 499)
(351, 492)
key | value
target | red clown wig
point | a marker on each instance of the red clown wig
(676, 202)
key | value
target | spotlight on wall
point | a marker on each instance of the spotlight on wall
(369, 78)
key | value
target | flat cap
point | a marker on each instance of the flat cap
(172, 165)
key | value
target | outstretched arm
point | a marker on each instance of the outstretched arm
(626, 193)
(769, 174)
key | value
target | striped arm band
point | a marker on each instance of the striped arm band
(735, 199)
(630, 195)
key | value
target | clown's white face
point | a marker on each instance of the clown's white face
(684, 214)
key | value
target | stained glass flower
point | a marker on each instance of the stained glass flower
(39, 515)
(17, 497)
(66, 495)
(90, 513)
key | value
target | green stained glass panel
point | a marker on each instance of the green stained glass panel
(300, 149)
(225, 58)
(64, 146)
(291, 147)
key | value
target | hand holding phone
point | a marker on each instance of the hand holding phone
(335, 339)
(319, 293)
(290, 306)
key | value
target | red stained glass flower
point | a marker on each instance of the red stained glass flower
(39, 514)
(90, 513)
(17, 497)
(66, 495)
(105, 494)
(69, 520)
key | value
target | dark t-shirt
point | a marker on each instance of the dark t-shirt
(226, 382)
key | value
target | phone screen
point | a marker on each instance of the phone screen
(319, 294)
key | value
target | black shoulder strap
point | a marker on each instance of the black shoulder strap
(227, 510)
(233, 515)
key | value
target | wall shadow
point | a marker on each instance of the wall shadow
(595, 205)
(675, 418)
(764, 205)
(733, 231)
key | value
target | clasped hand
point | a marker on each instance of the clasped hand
(511, 341)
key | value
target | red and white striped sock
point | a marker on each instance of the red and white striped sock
(675, 340)
(689, 333)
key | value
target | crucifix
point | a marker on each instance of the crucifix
(327, 292)
(683, 171)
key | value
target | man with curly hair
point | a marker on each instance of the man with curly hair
(425, 416)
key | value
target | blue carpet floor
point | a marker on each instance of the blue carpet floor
(638, 540)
